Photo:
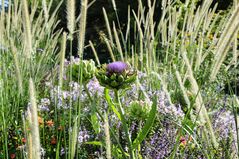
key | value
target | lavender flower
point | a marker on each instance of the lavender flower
(224, 124)
(83, 136)
(94, 87)
(44, 104)
(63, 152)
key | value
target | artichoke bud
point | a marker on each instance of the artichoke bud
(86, 66)
(85, 70)
(114, 75)
(88, 75)
(138, 110)
(114, 84)
(120, 78)
(105, 78)
(130, 79)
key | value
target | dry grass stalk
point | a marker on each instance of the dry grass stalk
(107, 25)
(199, 105)
(107, 138)
(82, 22)
(95, 53)
(34, 123)
(109, 47)
(27, 29)
(71, 17)
(62, 59)
(29, 135)
(224, 42)
(16, 62)
(45, 9)
(118, 43)
(74, 138)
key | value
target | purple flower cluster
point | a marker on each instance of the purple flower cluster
(160, 145)
(224, 125)
(164, 107)
(116, 67)
(83, 136)
(94, 87)
(44, 105)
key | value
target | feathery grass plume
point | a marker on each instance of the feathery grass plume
(74, 138)
(29, 135)
(45, 9)
(34, 123)
(107, 24)
(95, 53)
(62, 59)
(224, 42)
(71, 17)
(200, 107)
(107, 42)
(82, 22)
(235, 52)
(114, 4)
(16, 62)
(179, 78)
(128, 26)
(118, 43)
(9, 18)
(107, 138)
(2, 9)
(27, 29)
(141, 35)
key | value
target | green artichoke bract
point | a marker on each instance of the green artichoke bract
(139, 110)
(116, 75)
(88, 70)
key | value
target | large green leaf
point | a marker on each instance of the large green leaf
(111, 104)
(96, 143)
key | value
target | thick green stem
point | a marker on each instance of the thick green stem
(124, 123)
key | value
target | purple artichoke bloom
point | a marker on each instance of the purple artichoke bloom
(116, 75)
(117, 67)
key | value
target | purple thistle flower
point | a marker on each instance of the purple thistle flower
(117, 67)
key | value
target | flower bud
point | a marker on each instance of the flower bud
(88, 70)
(116, 75)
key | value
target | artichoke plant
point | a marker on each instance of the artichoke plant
(88, 70)
(116, 75)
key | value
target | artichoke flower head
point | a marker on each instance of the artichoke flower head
(87, 67)
(116, 75)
